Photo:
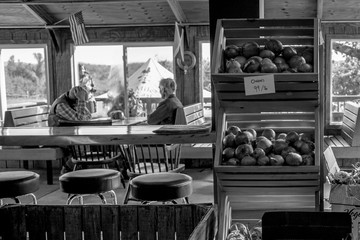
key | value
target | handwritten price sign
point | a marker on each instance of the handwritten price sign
(256, 85)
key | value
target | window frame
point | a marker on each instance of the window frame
(328, 79)
(201, 84)
(47, 63)
(125, 46)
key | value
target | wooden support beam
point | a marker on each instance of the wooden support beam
(177, 10)
(320, 7)
(43, 2)
(40, 13)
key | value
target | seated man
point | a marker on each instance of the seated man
(69, 106)
(165, 113)
(72, 105)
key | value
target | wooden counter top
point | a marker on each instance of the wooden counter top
(61, 136)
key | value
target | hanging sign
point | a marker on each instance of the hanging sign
(256, 85)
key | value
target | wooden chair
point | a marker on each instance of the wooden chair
(144, 159)
(84, 156)
(87, 156)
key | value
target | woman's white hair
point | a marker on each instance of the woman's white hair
(169, 84)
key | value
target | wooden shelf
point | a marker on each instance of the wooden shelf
(295, 106)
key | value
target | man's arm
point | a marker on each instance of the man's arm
(158, 115)
(81, 112)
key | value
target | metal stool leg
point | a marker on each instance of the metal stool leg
(71, 198)
(103, 199)
(33, 197)
(113, 195)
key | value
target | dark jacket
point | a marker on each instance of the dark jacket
(165, 113)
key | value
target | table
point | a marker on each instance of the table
(130, 121)
(95, 135)
(105, 122)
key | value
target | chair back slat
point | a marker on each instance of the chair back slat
(158, 159)
(166, 160)
(143, 157)
(151, 159)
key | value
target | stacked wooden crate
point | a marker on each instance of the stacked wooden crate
(249, 191)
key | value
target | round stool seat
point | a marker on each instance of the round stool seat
(90, 181)
(17, 183)
(161, 187)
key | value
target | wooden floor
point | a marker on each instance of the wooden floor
(51, 194)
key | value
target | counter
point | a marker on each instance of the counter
(62, 136)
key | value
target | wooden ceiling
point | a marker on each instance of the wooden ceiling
(97, 13)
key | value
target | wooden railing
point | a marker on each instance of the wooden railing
(150, 104)
(338, 103)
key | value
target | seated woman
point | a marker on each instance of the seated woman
(165, 113)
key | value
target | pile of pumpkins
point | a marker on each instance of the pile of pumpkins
(245, 148)
(273, 57)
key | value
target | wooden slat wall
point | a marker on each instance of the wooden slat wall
(108, 222)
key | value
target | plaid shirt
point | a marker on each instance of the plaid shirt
(79, 113)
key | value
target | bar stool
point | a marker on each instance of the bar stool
(14, 184)
(162, 187)
(96, 181)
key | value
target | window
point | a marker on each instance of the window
(205, 77)
(344, 67)
(144, 67)
(24, 76)
(106, 67)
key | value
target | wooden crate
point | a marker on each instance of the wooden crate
(298, 33)
(108, 222)
(290, 87)
(249, 191)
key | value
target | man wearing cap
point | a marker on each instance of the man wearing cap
(71, 105)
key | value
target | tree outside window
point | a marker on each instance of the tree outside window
(24, 71)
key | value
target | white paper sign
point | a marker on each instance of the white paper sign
(259, 85)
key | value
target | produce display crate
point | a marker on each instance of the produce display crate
(294, 106)
(191, 221)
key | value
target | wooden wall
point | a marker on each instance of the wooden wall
(59, 61)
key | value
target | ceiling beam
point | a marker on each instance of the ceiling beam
(43, 2)
(320, 7)
(39, 12)
(178, 11)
